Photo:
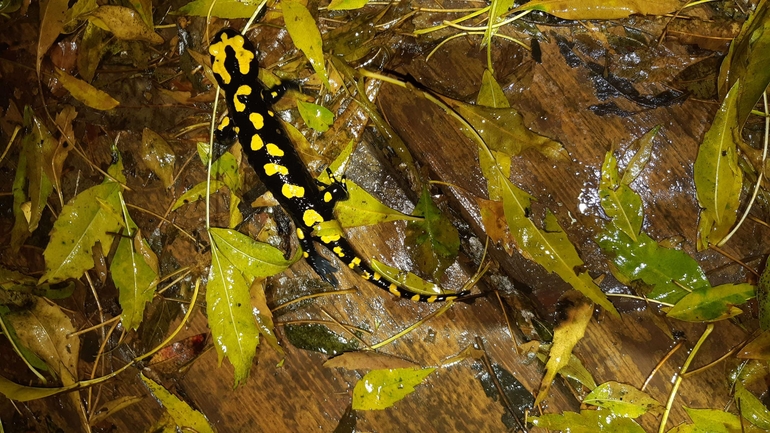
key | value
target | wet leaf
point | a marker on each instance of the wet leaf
(318, 338)
(158, 156)
(197, 192)
(229, 9)
(407, 280)
(124, 23)
(368, 361)
(255, 259)
(346, 5)
(567, 334)
(93, 46)
(711, 421)
(549, 247)
(587, 421)
(56, 154)
(518, 397)
(134, 270)
(661, 269)
(574, 369)
(112, 407)
(491, 94)
(86, 93)
(503, 131)
(263, 315)
(92, 216)
(185, 417)
(642, 156)
(46, 331)
(712, 303)
(34, 362)
(144, 9)
(315, 116)
(363, 209)
(758, 348)
(747, 62)
(179, 354)
(618, 201)
(52, 13)
(493, 217)
(763, 297)
(437, 241)
(752, 408)
(20, 231)
(381, 389)
(228, 307)
(602, 9)
(622, 400)
(306, 36)
(718, 178)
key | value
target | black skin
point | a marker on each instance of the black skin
(259, 101)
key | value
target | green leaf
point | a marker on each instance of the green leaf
(503, 131)
(255, 259)
(380, 389)
(228, 9)
(550, 247)
(318, 338)
(618, 201)
(185, 417)
(20, 231)
(229, 311)
(763, 297)
(491, 94)
(664, 270)
(718, 178)
(134, 270)
(587, 421)
(29, 356)
(748, 62)
(196, 193)
(641, 157)
(712, 303)
(601, 9)
(226, 169)
(622, 400)
(752, 408)
(306, 36)
(363, 209)
(315, 116)
(92, 216)
(437, 240)
(712, 421)
(158, 156)
(46, 331)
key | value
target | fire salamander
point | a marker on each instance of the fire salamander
(270, 152)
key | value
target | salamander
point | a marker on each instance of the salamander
(278, 165)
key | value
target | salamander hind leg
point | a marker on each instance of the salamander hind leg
(335, 191)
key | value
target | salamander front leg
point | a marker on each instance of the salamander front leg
(323, 267)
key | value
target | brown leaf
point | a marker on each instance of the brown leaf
(368, 361)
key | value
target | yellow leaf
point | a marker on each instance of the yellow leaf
(306, 36)
(124, 23)
(601, 9)
(86, 93)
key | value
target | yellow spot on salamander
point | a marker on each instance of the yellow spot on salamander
(355, 262)
(270, 113)
(300, 234)
(272, 168)
(376, 276)
(274, 150)
(330, 238)
(223, 124)
(290, 191)
(338, 251)
(416, 298)
(394, 290)
(243, 90)
(274, 94)
(311, 218)
(366, 275)
(432, 299)
(305, 254)
(237, 129)
(327, 196)
(256, 142)
(257, 120)
(243, 56)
